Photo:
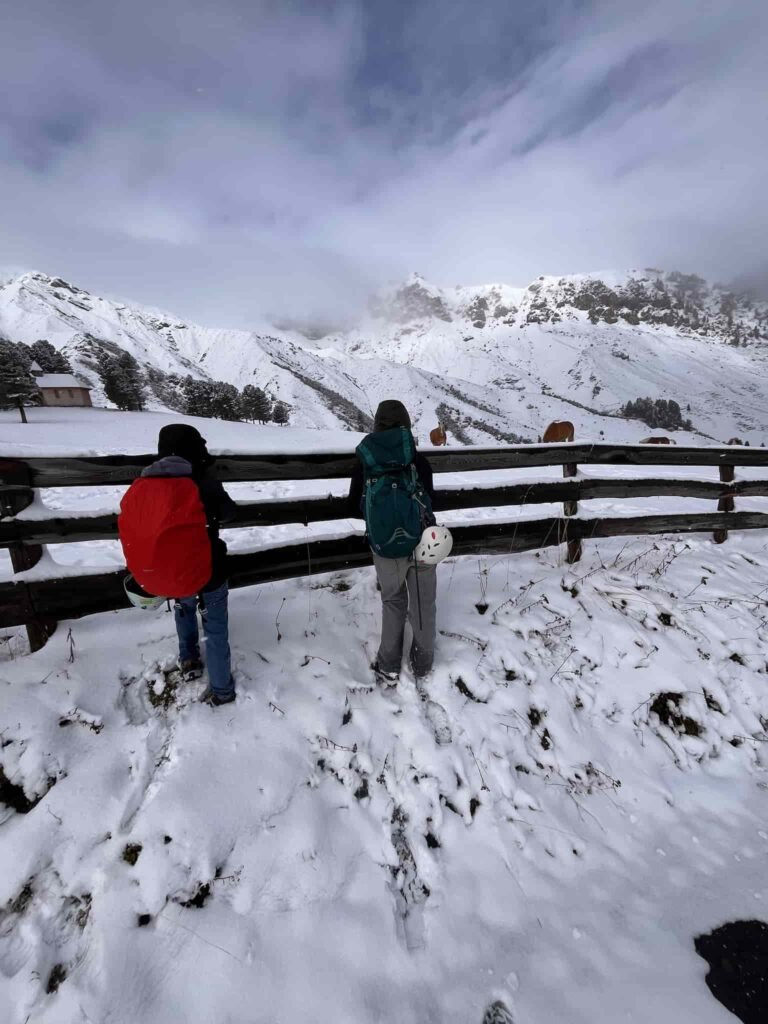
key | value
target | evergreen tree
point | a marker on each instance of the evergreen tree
(254, 404)
(247, 403)
(48, 359)
(17, 351)
(225, 401)
(121, 378)
(660, 412)
(263, 406)
(280, 413)
(212, 399)
(17, 385)
(198, 397)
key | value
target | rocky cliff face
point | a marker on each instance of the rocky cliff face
(681, 301)
(652, 297)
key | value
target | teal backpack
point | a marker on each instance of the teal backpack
(396, 507)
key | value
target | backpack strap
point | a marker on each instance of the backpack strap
(367, 458)
(409, 446)
(386, 454)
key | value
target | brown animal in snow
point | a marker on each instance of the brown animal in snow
(559, 430)
(438, 436)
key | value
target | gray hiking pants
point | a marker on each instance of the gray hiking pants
(400, 599)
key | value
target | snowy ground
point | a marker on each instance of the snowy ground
(537, 825)
(529, 830)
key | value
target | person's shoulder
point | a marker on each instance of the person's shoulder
(208, 485)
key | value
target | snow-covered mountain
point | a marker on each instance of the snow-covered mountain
(493, 363)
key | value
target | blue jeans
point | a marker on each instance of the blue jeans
(213, 611)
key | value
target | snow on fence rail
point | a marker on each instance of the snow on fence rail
(89, 470)
(40, 603)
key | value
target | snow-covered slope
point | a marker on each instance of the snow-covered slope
(493, 363)
(34, 306)
(576, 794)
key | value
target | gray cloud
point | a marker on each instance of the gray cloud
(232, 159)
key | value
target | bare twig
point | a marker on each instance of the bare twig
(312, 657)
(570, 654)
(330, 744)
(481, 644)
(479, 770)
(277, 621)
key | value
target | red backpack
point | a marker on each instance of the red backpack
(164, 534)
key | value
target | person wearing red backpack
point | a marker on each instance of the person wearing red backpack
(169, 527)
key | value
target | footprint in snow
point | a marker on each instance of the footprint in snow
(437, 717)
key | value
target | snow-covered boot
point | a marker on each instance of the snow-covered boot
(214, 700)
(387, 678)
(191, 669)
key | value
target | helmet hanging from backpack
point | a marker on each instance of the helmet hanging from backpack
(139, 597)
(436, 544)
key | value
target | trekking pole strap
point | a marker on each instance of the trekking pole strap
(418, 593)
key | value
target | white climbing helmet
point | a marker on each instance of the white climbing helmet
(139, 597)
(435, 545)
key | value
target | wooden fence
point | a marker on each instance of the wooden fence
(40, 603)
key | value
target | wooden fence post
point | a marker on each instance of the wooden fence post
(559, 431)
(39, 630)
(15, 496)
(726, 504)
(570, 508)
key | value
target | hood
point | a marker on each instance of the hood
(391, 413)
(186, 441)
(171, 465)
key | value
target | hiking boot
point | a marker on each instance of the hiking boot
(190, 668)
(387, 678)
(421, 662)
(214, 700)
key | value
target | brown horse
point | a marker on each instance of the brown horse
(559, 430)
(657, 440)
(438, 436)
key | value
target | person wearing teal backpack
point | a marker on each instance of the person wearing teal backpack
(391, 489)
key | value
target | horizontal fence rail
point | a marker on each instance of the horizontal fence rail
(75, 596)
(99, 470)
(75, 528)
(40, 603)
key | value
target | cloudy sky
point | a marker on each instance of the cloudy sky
(229, 158)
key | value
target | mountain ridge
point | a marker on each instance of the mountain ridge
(494, 362)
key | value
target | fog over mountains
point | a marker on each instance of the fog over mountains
(493, 363)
